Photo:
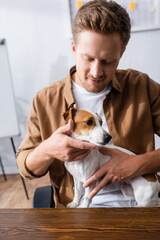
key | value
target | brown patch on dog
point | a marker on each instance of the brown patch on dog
(80, 119)
(99, 119)
(69, 114)
(150, 177)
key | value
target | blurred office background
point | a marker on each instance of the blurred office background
(38, 38)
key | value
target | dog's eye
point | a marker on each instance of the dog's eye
(89, 122)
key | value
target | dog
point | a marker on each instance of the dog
(88, 127)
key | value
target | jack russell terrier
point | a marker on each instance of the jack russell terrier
(88, 127)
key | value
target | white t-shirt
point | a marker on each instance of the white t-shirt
(110, 195)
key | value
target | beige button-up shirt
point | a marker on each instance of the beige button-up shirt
(132, 111)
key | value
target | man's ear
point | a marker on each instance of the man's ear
(73, 47)
(69, 114)
(123, 50)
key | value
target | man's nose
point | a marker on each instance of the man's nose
(96, 69)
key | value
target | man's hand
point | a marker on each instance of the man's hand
(119, 168)
(61, 146)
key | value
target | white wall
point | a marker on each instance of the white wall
(39, 48)
(142, 53)
(39, 52)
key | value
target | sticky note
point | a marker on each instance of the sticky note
(132, 5)
(152, 9)
(79, 4)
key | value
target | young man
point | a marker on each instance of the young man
(127, 101)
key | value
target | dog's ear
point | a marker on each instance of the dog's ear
(100, 119)
(70, 113)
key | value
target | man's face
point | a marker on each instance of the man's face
(97, 57)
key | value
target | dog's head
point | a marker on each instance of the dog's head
(87, 126)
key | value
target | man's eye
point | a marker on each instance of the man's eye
(89, 122)
(104, 62)
(86, 58)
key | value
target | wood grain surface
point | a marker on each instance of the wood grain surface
(95, 223)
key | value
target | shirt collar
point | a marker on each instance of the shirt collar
(68, 88)
(115, 83)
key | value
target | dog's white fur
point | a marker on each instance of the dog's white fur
(144, 192)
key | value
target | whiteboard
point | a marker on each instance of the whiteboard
(8, 117)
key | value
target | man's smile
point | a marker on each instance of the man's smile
(95, 81)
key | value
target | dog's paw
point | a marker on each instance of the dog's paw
(86, 202)
(72, 205)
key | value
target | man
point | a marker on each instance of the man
(127, 101)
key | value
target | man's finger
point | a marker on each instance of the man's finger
(78, 156)
(108, 151)
(66, 129)
(96, 176)
(81, 144)
(98, 187)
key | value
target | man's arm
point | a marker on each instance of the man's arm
(60, 146)
(122, 167)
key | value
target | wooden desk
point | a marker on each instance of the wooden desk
(98, 223)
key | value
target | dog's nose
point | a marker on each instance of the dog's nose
(107, 138)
